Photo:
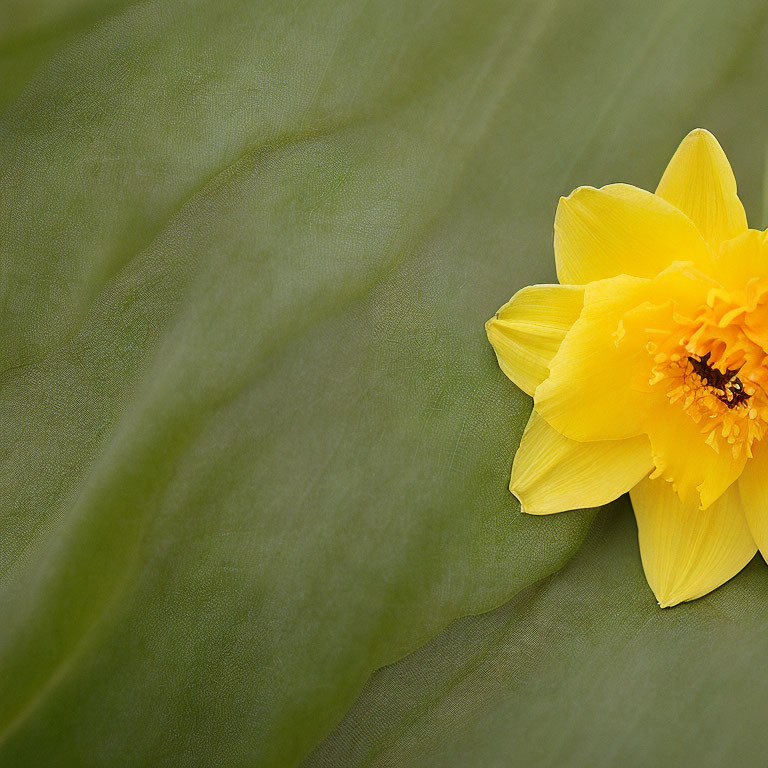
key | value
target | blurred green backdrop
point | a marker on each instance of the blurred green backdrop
(254, 443)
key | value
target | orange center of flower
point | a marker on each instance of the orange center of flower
(714, 365)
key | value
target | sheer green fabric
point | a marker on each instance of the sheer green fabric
(255, 445)
(581, 669)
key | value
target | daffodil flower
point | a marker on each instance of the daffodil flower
(648, 368)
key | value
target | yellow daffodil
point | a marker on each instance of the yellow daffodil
(648, 368)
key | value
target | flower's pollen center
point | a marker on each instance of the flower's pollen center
(712, 365)
(727, 385)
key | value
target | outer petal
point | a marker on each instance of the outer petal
(687, 552)
(589, 393)
(753, 487)
(552, 473)
(527, 331)
(699, 181)
(620, 229)
(741, 259)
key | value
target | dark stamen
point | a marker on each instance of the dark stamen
(728, 384)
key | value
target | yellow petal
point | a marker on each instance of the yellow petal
(589, 393)
(742, 259)
(753, 487)
(527, 331)
(699, 181)
(698, 472)
(687, 552)
(552, 473)
(620, 229)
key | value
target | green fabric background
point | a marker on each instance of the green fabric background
(254, 444)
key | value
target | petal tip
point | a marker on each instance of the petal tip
(701, 133)
(703, 136)
(491, 328)
(584, 189)
(515, 493)
(668, 601)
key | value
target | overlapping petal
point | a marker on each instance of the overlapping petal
(687, 552)
(741, 259)
(527, 331)
(753, 487)
(551, 473)
(699, 181)
(698, 473)
(620, 229)
(589, 393)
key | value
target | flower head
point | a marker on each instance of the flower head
(648, 367)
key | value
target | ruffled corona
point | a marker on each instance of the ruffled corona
(711, 366)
